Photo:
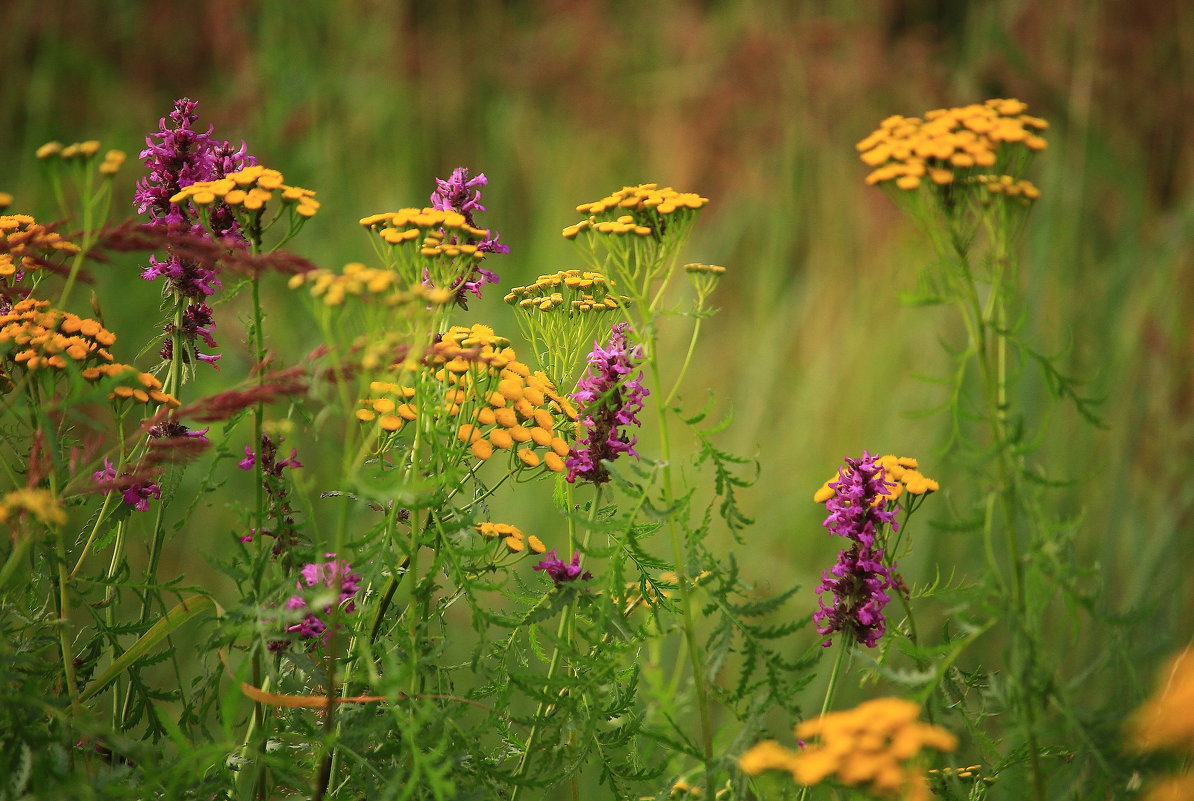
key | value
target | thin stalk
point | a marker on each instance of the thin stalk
(693, 646)
(563, 632)
(830, 691)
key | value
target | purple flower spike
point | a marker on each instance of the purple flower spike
(461, 193)
(178, 156)
(859, 581)
(335, 575)
(561, 572)
(608, 400)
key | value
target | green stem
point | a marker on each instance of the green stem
(564, 632)
(830, 691)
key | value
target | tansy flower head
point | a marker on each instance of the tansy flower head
(247, 191)
(512, 537)
(26, 245)
(34, 336)
(560, 313)
(873, 746)
(948, 144)
(355, 280)
(473, 381)
(39, 504)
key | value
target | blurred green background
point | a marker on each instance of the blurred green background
(756, 105)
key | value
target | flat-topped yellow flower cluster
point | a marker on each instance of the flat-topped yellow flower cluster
(512, 537)
(35, 336)
(869, 746)
(571, 291)
(947, 143)
(25, 241)
(250, 188)
(495, 402)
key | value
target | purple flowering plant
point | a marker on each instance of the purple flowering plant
(176, 157)
(609, 397)
(858, 583)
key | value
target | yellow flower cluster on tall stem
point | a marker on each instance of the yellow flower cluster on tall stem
(26, 245)
(561, 314)
(958, 173)
(873, 747)
(470, 394)
(950, 144)
(34, 337)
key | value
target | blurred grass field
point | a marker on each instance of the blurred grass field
(757, 105)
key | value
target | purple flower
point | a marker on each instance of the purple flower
(333, 575)
(173, 430)
(859, 580)
(608, 400)
(178, 156)
(250, 459)
(460, 193)
(136, 495)
(561, 572)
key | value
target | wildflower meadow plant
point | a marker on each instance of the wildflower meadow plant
(356, 608)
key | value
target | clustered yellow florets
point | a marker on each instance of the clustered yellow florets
(586, 291)
(869, 746)
(512, 537)
(407, 225)
(497, 402)
(903, 470)
(77, 150)
(357, 280)
(640, 210)
(39, 503)
(23, 239)
(250, 188)
(1021, 189)
(948, 142)
(40, 337)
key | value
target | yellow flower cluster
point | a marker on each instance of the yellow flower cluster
(497, 402)
(23, 239)
(905, 150)
(357, 280)
(1022, 190)
(407, 225)
(512, 537)
(250, 188)
(869, 746)
(111, 164)
(113, 161)
(970, 773)
(41, 337)
(40, 503)
(77, 150)
(587, 291)
(1166, 721)
(5, 200)
(903, 470)
(645, 197)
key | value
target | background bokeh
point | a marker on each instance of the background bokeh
(756, 105)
